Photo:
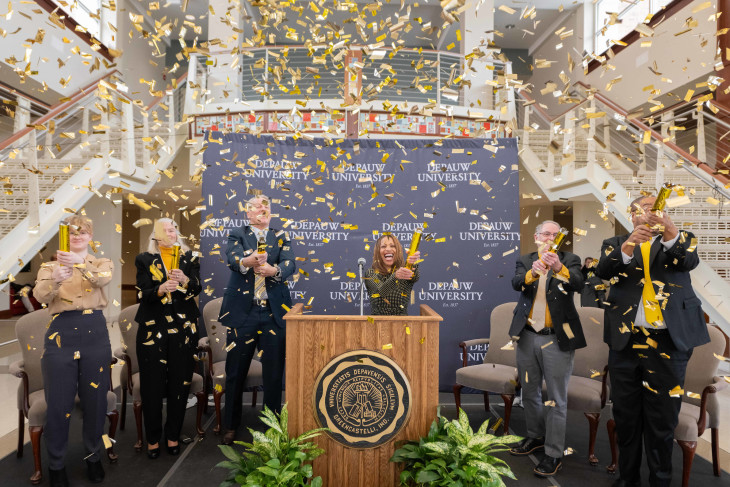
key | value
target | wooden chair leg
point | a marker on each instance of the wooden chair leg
(613, 442)
(508, 400)
(202, 402)
(715, 435)
(35, 441)
(688, 455)
(124, 408)
(21, 433)
(457, 396)
(486, 401)
(137, 406)
(113, 421)
(593, 419)
(254, 396)
(217, 400)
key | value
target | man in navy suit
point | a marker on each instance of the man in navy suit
(652, 322)
(549, 331)
(254, 303)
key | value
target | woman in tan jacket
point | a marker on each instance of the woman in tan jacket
(77, 352)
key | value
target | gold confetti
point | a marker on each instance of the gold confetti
(646, 386)
(388, 346)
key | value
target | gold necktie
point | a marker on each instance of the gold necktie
(652, 311)
(538, 309)
(259, 286)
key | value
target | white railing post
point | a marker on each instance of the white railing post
(526, 129)
(22, 118)
(128, 138)
(34, 215)
(105, 139)
(172, 136)
(145, 141)
(191, 80)
(662, 159)
(607, 135)
(550, 154)
(567, 170)
(591, 136)
(701, 147)
(85, 129)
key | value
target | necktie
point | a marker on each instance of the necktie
(259, 286)
(540, 305)
(652, 311)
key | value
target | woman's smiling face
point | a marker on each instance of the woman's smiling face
(388, 252)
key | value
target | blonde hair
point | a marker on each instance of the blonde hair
(81, 222)
(398, 260)
(153, 246)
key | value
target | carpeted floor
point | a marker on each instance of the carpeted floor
(195, 465)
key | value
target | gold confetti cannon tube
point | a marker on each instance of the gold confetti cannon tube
(414, 247)
(175, 264)
(661, 199)
(261, 247)
(64, 241)
(557, 242)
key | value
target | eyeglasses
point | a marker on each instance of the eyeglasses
(549, 234)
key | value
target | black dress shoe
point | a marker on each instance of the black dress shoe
(173, 450)
(527, 446)
(625, 483)
(58, 478)
(153, 453)
(548, 467)
(94, 471)
(229, 437)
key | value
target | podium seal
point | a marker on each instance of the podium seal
(363, 397)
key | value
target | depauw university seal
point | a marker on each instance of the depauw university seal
(363, 397)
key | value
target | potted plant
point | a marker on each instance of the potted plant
(273, 458)
(453, 454)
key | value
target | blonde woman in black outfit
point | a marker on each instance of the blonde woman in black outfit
(167, 337)
(388, 282)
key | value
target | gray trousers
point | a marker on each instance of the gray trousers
(536, 360)
(64, 376)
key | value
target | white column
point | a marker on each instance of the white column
(22, 118)
(223, 73)
(474, 22)
(106, 216)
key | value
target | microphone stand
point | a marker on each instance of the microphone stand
(362, 287)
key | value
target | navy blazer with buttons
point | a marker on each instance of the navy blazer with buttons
(682, 313)
(238, 295)
(559, 297)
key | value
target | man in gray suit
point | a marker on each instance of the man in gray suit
(548, 331)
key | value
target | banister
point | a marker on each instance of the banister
(56, 109)
(33, 99)
(157, 100)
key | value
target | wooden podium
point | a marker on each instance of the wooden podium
(314, 341)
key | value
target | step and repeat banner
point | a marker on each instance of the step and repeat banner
(335, 199)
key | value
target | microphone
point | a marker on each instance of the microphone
(361, 262)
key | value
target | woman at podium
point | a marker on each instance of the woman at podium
(390, 279)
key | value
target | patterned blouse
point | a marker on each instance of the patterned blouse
(388, 295)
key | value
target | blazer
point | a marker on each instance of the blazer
(183, 306)
(560, 302)
(238, 295)
(682, 314)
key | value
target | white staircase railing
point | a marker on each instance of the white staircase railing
(593, 149)
(98, 143)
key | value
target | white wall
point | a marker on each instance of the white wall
(679, 59)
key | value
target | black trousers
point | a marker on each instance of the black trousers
(260, 331)
(79, 365)
(645, 416)
(165, 370)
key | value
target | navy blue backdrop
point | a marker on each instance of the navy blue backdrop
(335, 199)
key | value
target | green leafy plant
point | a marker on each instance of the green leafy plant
(453, 454)
(273, 458)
